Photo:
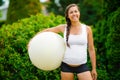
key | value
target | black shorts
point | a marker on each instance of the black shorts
(79, 69)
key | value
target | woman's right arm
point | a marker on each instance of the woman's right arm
(57, 29)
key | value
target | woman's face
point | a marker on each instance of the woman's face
(73, 14)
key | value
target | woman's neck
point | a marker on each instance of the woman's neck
(75, 24)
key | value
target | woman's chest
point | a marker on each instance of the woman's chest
(77, 39)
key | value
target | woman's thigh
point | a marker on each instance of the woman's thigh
(67, 76)
(84, 76)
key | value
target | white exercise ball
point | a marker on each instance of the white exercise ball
(46, 50)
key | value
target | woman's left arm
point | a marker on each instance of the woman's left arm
(92, 53)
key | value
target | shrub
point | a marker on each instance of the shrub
(102, 75)
(107, 39)
(113, 44)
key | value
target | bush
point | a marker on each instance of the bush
(102, 75)
(107, 39)
(113, 44)
(14, 59)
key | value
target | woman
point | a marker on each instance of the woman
(78, 38)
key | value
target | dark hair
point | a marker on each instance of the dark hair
(68, 21)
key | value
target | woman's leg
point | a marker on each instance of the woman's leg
(67, 76)
(84, 76)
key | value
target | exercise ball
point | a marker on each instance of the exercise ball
(46, 50)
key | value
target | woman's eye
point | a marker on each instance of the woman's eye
(71, 12)
(76, 11)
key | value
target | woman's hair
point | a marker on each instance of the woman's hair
(68, 22)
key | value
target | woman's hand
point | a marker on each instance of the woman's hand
(94, 74)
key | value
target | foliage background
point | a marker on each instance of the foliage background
(103, 16)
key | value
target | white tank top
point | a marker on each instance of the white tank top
(76, 54)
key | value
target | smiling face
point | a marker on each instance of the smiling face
(73, 14)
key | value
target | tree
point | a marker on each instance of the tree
(59, 7)
(19, 9)
(1, 2)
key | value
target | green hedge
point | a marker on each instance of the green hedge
(107, 39)
(113, 44)
(14, 59)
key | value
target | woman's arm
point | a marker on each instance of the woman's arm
(57, 29)
(92, 54)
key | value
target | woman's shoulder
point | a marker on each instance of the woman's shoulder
(85, 25)
(88, 28)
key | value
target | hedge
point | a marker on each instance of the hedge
(113, 44)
